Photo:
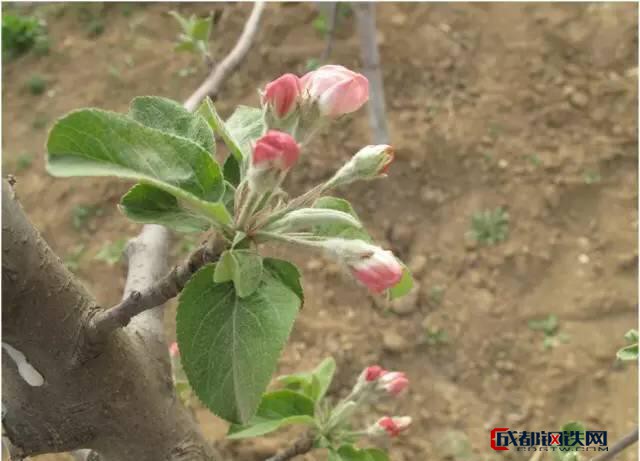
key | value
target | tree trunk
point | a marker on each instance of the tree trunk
(120, 403)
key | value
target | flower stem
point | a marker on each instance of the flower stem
(246, 209)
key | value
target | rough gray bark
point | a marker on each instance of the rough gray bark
(113, 397)
(120, 404)
(301, 446)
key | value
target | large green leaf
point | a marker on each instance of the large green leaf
(171, 117)
(277, 409)
(208, 111)
(243, 268)
(339, 230)
(91, 142)
(287, 273)
(246, 125)
(230, 345)
(231, 170)
(147, 204)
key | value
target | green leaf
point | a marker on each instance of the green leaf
(184, 22)
(246, 125)
(201, 29)
(404, 286)
(91, 142)
(313, 384)
(548, 325)
(231, 170)
(287, 273)
(336, 230)
(208, 111)
(230, 345)
(299, 382)
(185, 45)
(228, 199)
(631, 336)
(111, 252)
(171, 117)
(324, 374)
(276, 410)
(243, 267)
(350, 453)
(148, 204)
(628, 353)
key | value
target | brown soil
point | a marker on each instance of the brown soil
(527, 106)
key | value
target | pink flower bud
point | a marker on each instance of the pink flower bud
(373, 372)
(368, 377)
(282, 95)
(391, 426)
(379, 271)
(336, 89)
(393, 382)
(174, 351)
(275, 150)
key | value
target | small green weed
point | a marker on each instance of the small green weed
(82, 214)
(24, 162)
(549, 326)
(490, 227)
(592, 177)
(111, 252)
(20, 34)
(434, 336)
(36, 84)
(535, 160)
(195, 34)
(72, 259)
(436, 293)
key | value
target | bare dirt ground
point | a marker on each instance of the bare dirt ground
(532, 107)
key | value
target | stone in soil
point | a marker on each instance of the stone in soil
(394, 342)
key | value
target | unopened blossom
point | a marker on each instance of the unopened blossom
(372, 373)
(275, 150)
(367, 378)
(335, 89)
(381, 381)
(374, 267)
(282, 94)
(379, 271)
(368, 163)
(272, 156)
(393, 382)
(392, 426)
